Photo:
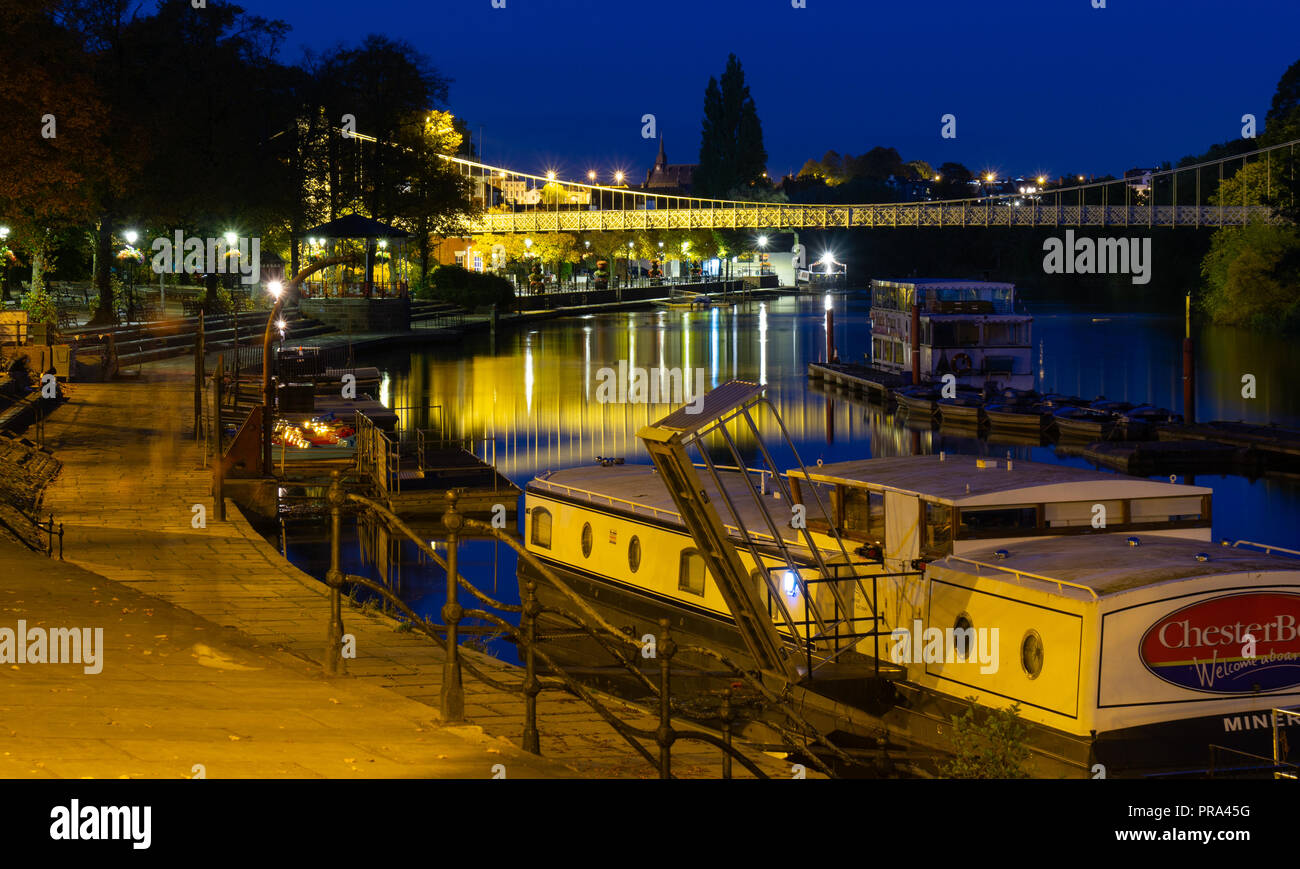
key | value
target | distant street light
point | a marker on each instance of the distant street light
(618, 177)
(231, 238)
(130, 236)
(591, 175)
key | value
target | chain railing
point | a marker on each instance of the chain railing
(797, 733)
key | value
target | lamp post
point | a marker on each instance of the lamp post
(130, 235)
(276, 289)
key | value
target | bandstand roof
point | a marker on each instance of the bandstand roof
(353, 226)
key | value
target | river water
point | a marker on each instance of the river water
(533, 404)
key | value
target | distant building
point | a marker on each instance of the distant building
(1139, 179)
(669, 178)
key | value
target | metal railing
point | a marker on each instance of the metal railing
(796, 732)
(1060, 584)
(1268, 548)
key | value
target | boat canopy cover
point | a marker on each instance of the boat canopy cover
(698, 414)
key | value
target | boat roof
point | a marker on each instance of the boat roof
(640, 490)
(958, 480)
(1107, 564)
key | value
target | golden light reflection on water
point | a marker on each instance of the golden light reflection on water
(535, 404)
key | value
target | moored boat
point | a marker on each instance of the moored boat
(1092, 600)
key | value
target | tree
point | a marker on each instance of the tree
(732, 155)
(48, 93)
(1282, 123)
(1250, 273)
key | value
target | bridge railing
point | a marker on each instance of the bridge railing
(1179, 196)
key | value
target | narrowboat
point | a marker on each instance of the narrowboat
(1094, 602)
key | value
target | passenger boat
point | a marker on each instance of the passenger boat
(976, 332)
(1092, 600)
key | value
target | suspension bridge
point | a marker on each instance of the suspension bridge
(510, 201)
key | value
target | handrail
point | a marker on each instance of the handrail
(1060, 583)
(1268, 548)
(526, 635)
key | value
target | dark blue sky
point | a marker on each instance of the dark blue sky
(1037, 85)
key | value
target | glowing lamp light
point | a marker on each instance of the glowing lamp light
(130, 236)
(275, 288)
(591, 174)
(281, 325)
(550, 175)
(383, 242)
(618, 177)
(1042, 180)
(789, 581)
(762, 241)
(630, 245)
(4, 232)
(231, 237)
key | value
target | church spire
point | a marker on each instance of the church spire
(661, 162)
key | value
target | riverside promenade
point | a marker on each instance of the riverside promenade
(213, 641)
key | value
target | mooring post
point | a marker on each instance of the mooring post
(726, 731)
(532, 739)
(218, 459)
(664, 735)
(453, 693)
(1189, 375)
(830, 334)
(335, 497)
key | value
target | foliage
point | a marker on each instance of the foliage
(1250, 276)
(988, 743)
(468, 289)
(731, 147)
(40, 306)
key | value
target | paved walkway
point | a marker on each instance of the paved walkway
(132, 476)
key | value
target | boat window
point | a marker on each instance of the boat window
(634, 553)
(542, 527)
(996, 521)
(690, 573)
(864, 511)
(586, 539)
(1031, 654)
(957, 333)
(1165, 509)
(963, 637)
(1083, 513)
(937, 541)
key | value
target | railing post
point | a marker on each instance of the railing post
(198, 379)
(453, 693)
(726, 731)
(664, 735)
(335, 497)
(218, 459)
(532, 739)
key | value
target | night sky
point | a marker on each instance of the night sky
(1050, 86)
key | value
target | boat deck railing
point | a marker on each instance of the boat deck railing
(1061, 584)
(1268, 548)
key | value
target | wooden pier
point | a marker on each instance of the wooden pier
(873, 383)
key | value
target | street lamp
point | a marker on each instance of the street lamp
(591, 175)
(618, 177)
(276, 289)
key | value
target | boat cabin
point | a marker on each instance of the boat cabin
(969, 329)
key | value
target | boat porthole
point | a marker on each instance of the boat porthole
(586, 540)
(963, 637)
(634, 553)
(1031, 654)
